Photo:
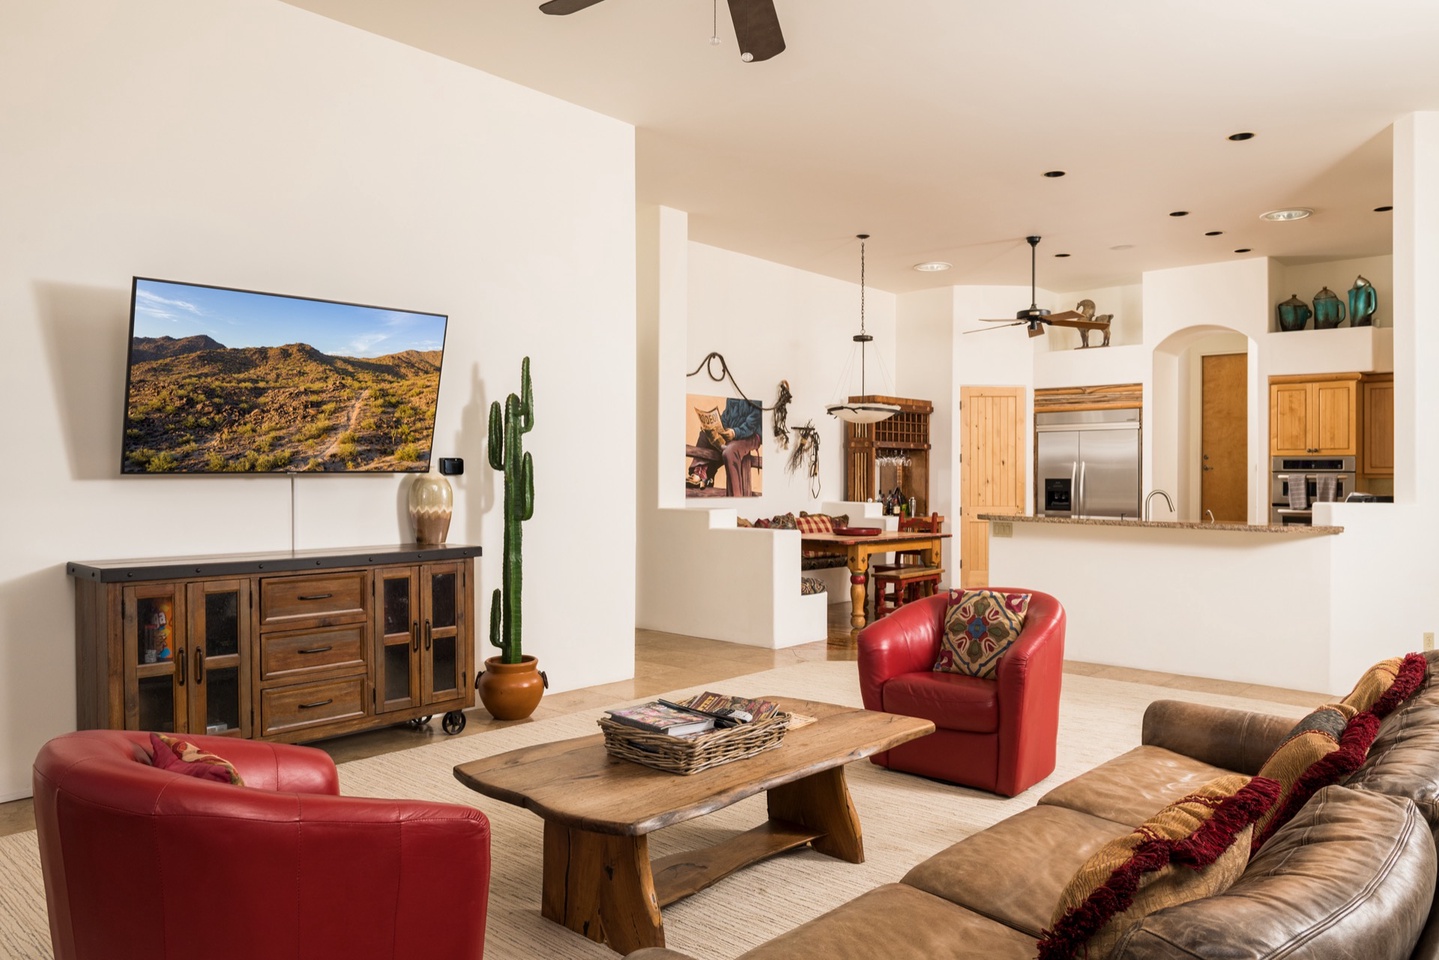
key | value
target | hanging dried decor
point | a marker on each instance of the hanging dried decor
(806, 447)
(781, 412)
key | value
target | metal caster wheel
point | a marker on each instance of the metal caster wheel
(453, 722)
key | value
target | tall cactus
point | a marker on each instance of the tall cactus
(507, 455)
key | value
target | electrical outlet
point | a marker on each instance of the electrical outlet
(1428, 640)
(1001, 529)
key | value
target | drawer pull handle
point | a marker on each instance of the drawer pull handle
(316, 596)
(317, 703)
(316, 649)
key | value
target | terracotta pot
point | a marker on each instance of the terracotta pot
(511, 691)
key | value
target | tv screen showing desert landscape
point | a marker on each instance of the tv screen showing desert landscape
(234, 381)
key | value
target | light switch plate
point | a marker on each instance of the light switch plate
(1001, 528)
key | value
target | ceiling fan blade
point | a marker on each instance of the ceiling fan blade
(1036, 330)
(756, 27)
(1066, 315)
(1007, 323)
(1009, 320)
(1080, 324)
(559, 8)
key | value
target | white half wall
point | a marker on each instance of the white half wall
(248, 143)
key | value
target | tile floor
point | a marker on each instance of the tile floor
(665, 661)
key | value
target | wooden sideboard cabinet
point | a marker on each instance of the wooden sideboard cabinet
(290, 646)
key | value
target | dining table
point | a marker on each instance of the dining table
(857, 548)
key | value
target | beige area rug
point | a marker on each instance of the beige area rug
(905, 819)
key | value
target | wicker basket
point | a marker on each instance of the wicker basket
(692, 754)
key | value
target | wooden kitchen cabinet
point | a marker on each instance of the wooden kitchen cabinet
(1376, 458)
(1314, 416)
(289, 646)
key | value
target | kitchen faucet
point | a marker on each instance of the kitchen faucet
(1151, 497)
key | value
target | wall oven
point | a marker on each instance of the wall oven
(1296, 483)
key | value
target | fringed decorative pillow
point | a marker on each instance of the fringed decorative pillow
(1383, 687)
(1374, 684)
(1311, 740)
(182, 756)
(1195, 847)
(979, 627)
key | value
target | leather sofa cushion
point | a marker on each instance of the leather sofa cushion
(951, 701)
(1015, 870)
(1129, 788)
(1351, 875)
(897, 922)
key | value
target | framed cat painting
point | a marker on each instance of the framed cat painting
(724, 440)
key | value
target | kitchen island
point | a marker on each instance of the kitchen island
(1220, 525)
(1174, 597)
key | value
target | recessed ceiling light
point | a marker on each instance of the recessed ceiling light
(1245, 135)
(932, 266)
(1213, 233)
(1383, 209)
(1179, 213)
(1054, 173)
(1292, 213)
(1123, 246)
(1061, 254)
(1243, 250)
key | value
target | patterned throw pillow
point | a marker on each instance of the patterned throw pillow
(785, 521)
(979, 627)
(813, 523)
(182, 756)
(1311, 740)
(1374, 684)
(1383, 687)
(1195, 847)
(810, 585)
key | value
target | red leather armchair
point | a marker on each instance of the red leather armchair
(997, 735)
(142, 863)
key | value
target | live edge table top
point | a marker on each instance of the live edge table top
(576, 783)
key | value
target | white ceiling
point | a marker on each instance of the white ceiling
(929, 123)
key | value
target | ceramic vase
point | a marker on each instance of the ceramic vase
(511, 691)
(431, 505)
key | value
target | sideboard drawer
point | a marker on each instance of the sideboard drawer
(303, 653)
(283, 709)
(321, 599)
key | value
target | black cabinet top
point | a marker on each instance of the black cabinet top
(279, 561)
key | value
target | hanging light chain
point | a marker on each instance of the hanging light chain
(862, 238)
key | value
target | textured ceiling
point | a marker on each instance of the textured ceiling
(929, 123)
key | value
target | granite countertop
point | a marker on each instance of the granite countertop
(1285, 529)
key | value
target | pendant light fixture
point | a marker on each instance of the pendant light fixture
(863, 411)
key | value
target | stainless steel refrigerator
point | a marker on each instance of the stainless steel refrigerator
(1086, 464)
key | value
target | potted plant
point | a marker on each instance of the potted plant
(511, 684)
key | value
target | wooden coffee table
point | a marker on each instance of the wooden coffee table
(599, 812)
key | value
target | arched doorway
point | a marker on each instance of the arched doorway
(1204, 406)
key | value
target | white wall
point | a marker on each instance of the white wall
(775, 323)
(248, 143)
(925, 342)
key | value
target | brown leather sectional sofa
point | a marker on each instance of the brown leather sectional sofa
(1351, 876)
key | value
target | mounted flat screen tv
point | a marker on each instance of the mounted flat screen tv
(234, 381)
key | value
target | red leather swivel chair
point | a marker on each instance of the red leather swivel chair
(997, 735)
(141, 863)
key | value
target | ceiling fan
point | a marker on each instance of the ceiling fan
(1035, 318)
(756, 24)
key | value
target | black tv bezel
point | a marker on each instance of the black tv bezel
(130, 366)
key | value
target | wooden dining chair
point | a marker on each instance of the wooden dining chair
(909, 577)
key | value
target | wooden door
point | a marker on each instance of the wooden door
(992, 445)
(1289, 419)
(1224, 437)
(1333, 412)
